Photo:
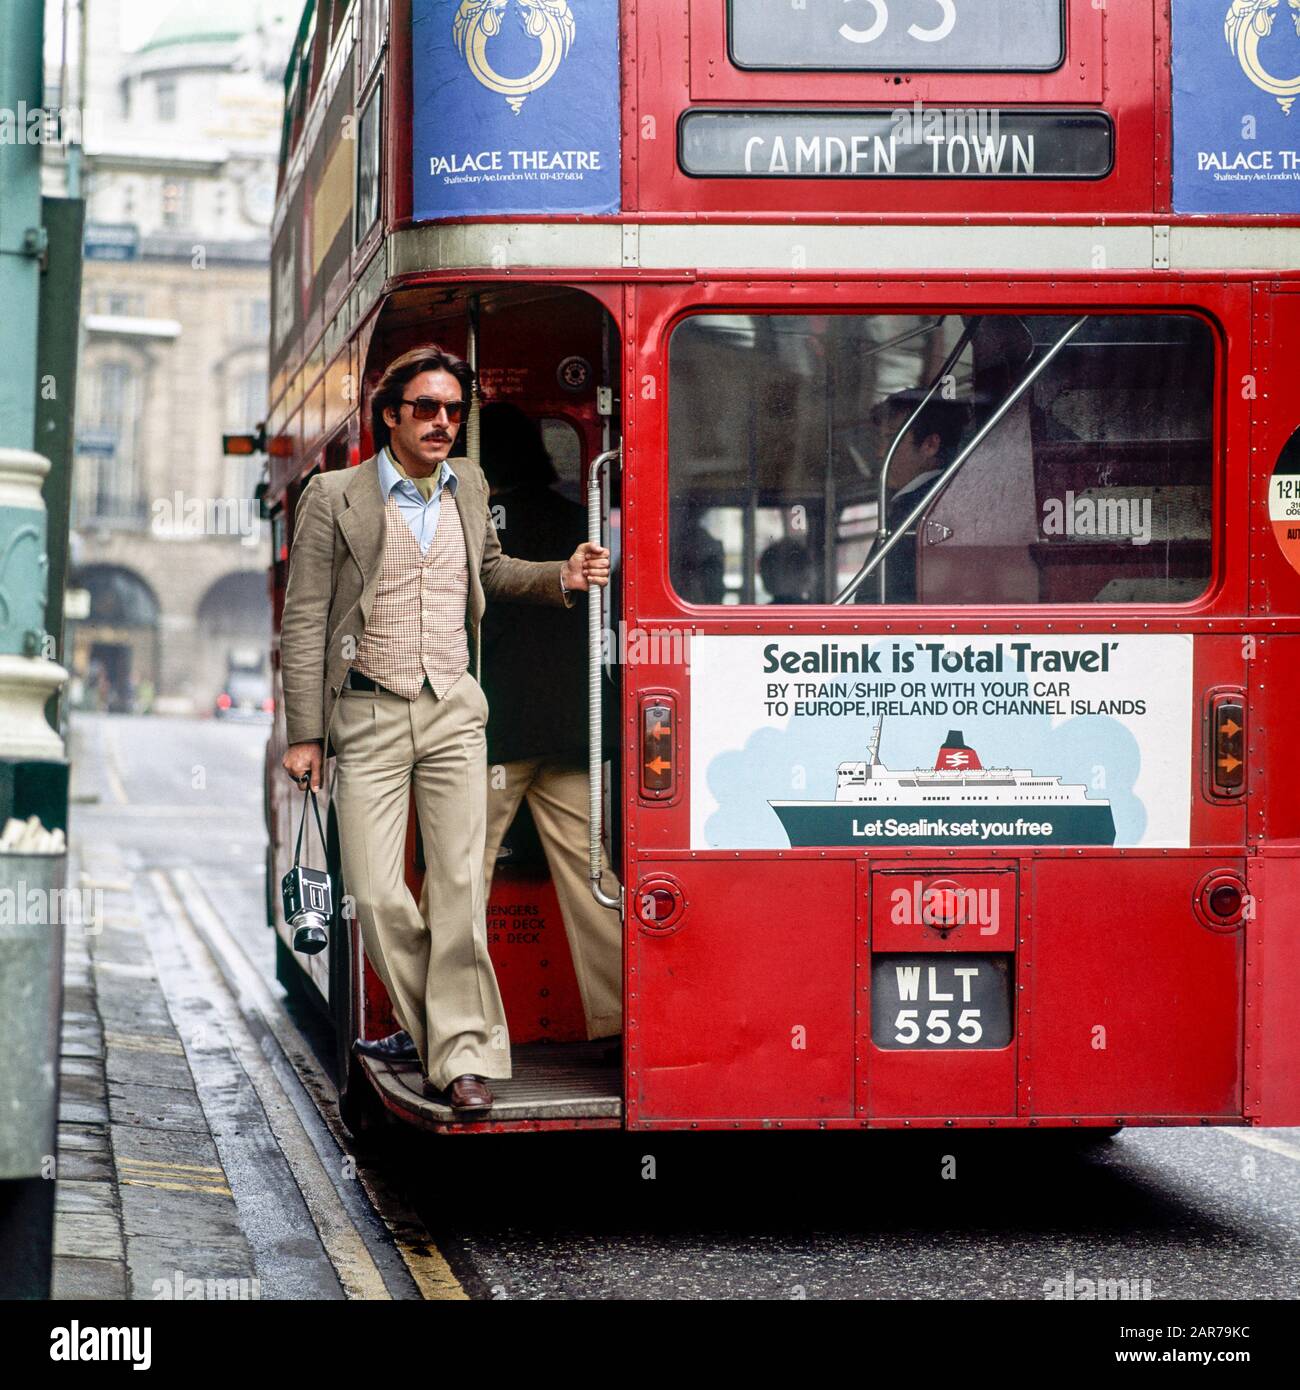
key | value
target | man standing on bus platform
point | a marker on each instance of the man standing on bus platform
(391, 567)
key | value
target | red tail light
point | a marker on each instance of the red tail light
(224, 701)
(268, 705)
(659, 904)
(1220, 900)
(1225, 900)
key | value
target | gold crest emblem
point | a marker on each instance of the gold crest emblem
(1247, 23)
(548, 21)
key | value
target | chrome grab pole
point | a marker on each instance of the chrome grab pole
(594, 759)
(473, 432)
(873, 561)
(882, 504)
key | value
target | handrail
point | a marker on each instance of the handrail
(594, 759)
(882, 505)
(874, 560)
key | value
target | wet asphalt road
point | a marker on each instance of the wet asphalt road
(1174, 1214)
(1199, 1214)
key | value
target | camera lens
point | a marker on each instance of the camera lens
(309, 934)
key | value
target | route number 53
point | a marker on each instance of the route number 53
(881, 22)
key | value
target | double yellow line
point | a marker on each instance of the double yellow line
(146, 1172)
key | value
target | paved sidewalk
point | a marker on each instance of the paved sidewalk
(143, 1206)
(199, 1149)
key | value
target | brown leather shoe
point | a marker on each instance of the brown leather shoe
(469, 1096)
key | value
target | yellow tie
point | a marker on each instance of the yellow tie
(425, 485)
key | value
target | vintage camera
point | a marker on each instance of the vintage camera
(308, 907)
(306, 893)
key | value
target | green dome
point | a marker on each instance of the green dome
(226, 23)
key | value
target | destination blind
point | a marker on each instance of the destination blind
(911, 142)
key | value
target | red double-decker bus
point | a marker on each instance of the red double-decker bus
(923, 363)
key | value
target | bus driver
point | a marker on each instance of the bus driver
(918, 462)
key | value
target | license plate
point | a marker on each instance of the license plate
(936, 1003)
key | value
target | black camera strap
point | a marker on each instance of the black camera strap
(297, 849)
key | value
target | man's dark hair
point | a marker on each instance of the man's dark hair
(428, 357)
(512, 452)
(948, 419)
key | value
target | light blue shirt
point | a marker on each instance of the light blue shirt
(420, 516)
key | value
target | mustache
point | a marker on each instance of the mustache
(437, 435)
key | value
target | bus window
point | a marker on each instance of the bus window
(369, 154)
(337, 12)
(374, 30)
(318, 41)
(291, 123)
(943, 459)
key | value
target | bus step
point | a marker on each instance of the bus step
(552, 1081)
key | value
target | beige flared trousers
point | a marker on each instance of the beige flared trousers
(432, 956)
(557, 797)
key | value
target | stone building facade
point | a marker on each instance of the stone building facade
(169, 554)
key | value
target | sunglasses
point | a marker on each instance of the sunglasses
(428, 408)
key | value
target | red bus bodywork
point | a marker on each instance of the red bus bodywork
(750, 1005)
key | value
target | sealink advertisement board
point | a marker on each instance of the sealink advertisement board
(986, 741)
(516, 107)
(1236, 78)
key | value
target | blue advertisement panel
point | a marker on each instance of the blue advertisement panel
(516, 107)
(1236, 79)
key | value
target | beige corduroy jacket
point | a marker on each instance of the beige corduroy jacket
(334, 563)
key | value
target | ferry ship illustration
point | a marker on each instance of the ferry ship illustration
(957, 802)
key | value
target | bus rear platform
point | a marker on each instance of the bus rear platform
(556, 1085)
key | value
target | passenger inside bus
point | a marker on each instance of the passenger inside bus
(535, 678)
(785, 568)
(703, 559)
